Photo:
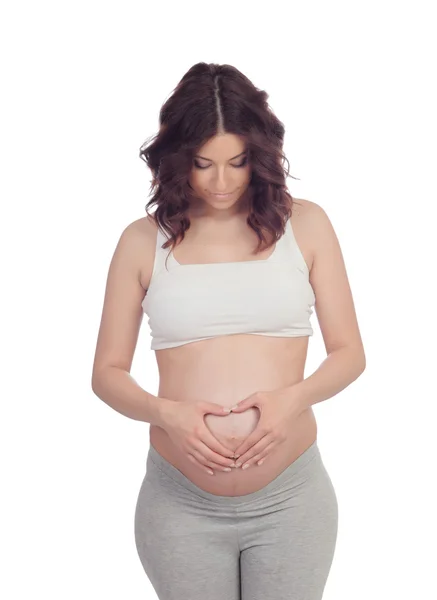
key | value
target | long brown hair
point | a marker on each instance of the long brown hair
(212, 99)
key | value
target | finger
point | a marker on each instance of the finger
(241, 407)
(214, 457)
(219, 451)
(256, 449)
(255, 437)
(201, 456)
(196, 462)
(260, 456)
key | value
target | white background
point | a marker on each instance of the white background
(82, 85)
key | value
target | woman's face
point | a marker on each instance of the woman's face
(221, 167)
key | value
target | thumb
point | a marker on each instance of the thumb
(215, 409)
(243, 405)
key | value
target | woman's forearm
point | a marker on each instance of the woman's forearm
(117, 388)
(339, 369)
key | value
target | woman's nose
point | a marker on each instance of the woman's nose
(221, 185)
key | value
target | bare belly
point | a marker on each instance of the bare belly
(226, 370)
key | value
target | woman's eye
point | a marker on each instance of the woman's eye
(242, 164)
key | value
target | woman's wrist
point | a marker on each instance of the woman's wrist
(165, 409)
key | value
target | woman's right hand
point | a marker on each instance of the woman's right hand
(185, 425)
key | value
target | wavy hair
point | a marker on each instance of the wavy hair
(211, 99)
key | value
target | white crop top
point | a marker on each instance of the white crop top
(194, 302)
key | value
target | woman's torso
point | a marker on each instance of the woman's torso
(248, 363)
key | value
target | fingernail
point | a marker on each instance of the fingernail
(238, 464)
(210, 472)
(237, 455)
(227, 469)
(246, 466)
(234, 407)
(227, 410)
(260, 462)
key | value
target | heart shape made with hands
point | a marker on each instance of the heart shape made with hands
(233, 428)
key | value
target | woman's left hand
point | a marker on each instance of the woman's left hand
(279, 413)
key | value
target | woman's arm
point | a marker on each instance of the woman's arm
(119, 390)
(336, 315)
(339, 369)
(120, 324)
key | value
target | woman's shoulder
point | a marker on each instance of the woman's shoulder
(303, 206)
(141, 236)
(144, 227)
(309, 216)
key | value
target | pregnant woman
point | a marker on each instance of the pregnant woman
(236, 503)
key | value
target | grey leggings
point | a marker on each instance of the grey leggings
(276, 543)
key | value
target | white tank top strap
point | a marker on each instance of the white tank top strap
(293, 249)
(160, 253)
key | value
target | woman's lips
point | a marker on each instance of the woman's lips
(222, 195)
